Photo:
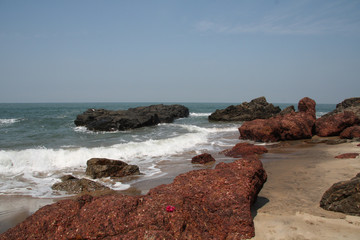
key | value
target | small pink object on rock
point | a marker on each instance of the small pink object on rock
(170, 208)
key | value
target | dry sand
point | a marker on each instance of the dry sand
(288, 205)
(298, 175)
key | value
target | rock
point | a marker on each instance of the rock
(343, 197)
(103, 167)
(348, 155)
(351, 132)
(203, 159)
(333, 125)
(108, 120)
(291, 126)
(350, 105)
(244, 149)
(287, 110)
(257, 108)
(73, 185)
(207, 204)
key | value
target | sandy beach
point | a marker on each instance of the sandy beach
(298, 175)
(299, 172)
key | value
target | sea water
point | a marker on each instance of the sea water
(39, 143)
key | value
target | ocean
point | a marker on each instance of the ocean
(39, 143)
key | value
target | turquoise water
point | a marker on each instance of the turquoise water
(39, 142)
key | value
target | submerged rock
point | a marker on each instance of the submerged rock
(73, 185)
(343, 197)
(348, 155)
(203, 159)
(257, 108)
(103, 167)
(207, 204)
(291, 126)
(108, 120)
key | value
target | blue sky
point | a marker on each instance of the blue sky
(179, 51)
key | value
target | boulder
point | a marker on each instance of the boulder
(334, 124)
(347, 155)
(203, 159)
(103, 167)
(108, 120)
(258, 108)
(206, 204)
(291, 126)
(350, 105)
(244, 150)
(73, 185)
(287, 110)
(343, 197)
(351, 132)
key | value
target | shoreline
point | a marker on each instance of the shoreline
(299, 172)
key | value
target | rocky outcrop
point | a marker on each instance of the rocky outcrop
(333, 125)
(351, 132)
(73, 185)
(343, 197)
(244, 150)
(206, 204)
(350, 105)
(291, 126)
(203, 159)
(108, 120)
(347, 155)
(103, 167)
(258, 108)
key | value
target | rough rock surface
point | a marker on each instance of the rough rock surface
(350, 105)
(203, 158)
(348, 155)
(291, 126)
(209, 204)
(343, 197)
(103, 167)
(258, 108)
(108, 120)
(351, 132)
(244, 150)
(333, 125)
(74, 185)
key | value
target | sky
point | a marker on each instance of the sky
(179, 51)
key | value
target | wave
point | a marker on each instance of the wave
(35, 170)
(192, 114)
(9, 121)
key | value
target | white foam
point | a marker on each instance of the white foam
(9, 121)
(39, 168)
(192, 114)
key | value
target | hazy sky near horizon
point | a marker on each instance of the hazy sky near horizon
(179, 51)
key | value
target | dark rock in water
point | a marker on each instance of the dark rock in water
(258, 108)
(108, 120)
(291, 126)
(74, 185)
(103, 167)
(203, 159)
(334, 124)
(206, 204)
(244, 150)
(351, 132)
(343, 197)
(350, 105)
(348, 155)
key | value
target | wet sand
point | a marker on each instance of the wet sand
(288, 205)
(298, 175)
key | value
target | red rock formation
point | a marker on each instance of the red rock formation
(348, 155)
(208, 204)
(244, 150)
(291, 126)
(203, 158)
(351, 132)
(333, 125)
